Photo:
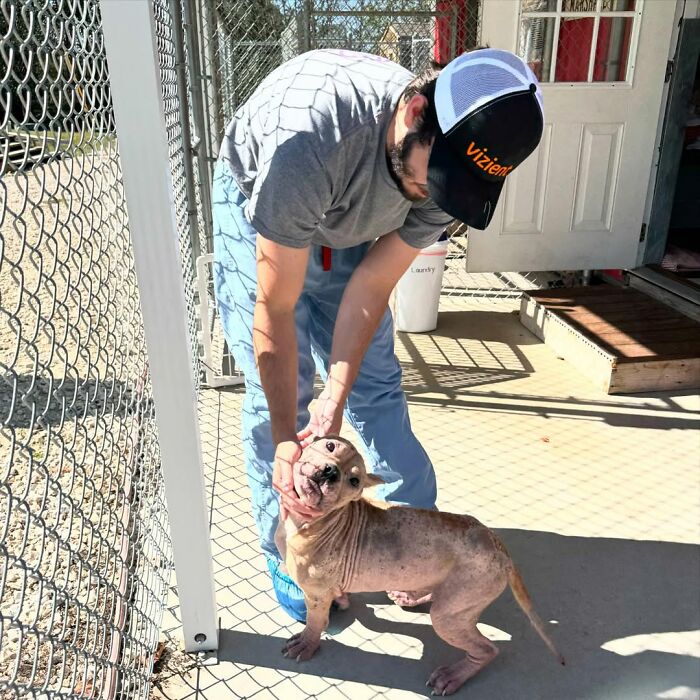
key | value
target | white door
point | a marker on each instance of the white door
(578, 201)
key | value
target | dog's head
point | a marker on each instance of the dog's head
(331, 473)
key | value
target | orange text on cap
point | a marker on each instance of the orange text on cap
(488, 164)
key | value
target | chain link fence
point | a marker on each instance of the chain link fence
(85, 552)
(189, 213)
(242, 42)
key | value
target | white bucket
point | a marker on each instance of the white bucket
(418, 291)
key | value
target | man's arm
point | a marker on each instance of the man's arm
(361, 309)
(281, 272)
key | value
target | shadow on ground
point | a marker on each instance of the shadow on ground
(472, 353)
(598, 590)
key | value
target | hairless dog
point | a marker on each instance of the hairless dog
(360, 546)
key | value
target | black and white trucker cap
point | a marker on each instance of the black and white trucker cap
(490, 114)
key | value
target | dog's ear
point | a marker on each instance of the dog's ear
(373, 480)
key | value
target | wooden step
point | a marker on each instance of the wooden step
(620, 338)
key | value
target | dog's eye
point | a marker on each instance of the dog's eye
(354, 481)
(330, 446)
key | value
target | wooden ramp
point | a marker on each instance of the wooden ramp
(621, 339)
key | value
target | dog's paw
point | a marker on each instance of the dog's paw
(300, 647)
(443, 681)
(446, 680)
(409, 599)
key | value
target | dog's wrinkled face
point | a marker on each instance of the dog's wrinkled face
(331, 473)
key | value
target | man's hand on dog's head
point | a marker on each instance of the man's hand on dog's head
(286, 454)
(326, 418)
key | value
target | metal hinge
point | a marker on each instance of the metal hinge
(669, 71)
(643, 233)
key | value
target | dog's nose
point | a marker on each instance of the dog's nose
(330, 473)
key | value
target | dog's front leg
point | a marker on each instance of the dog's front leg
(303, 646)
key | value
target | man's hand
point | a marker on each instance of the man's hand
(286, 455)
(326, 418)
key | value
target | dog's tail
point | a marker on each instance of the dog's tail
(520, 594)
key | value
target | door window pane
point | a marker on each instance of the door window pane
(536, 36)
(612, 50)
(579, 5)
(539, 6)
(618, 5)
(592, 6)
(574, 50)
(578, 41)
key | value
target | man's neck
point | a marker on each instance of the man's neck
(392, 134)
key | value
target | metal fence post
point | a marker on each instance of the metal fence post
(212, 64)
(184, 108)
(306, 20)
(197, 88)
(131, 47)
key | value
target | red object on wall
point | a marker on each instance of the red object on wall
(443, 29)
(616, 274)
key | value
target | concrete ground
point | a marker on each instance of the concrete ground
(597, 498)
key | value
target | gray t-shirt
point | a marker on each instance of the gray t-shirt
(308, 150)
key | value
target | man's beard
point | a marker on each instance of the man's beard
(397, 160)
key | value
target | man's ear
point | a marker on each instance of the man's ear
(414, 109)
(373, 480)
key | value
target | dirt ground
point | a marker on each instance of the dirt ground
(77, 432)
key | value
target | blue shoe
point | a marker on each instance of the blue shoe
(289, 595)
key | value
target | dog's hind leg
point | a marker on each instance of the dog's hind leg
(455, 611)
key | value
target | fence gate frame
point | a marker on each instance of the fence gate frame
(132, 57)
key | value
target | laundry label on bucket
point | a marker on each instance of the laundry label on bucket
(431, 270)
